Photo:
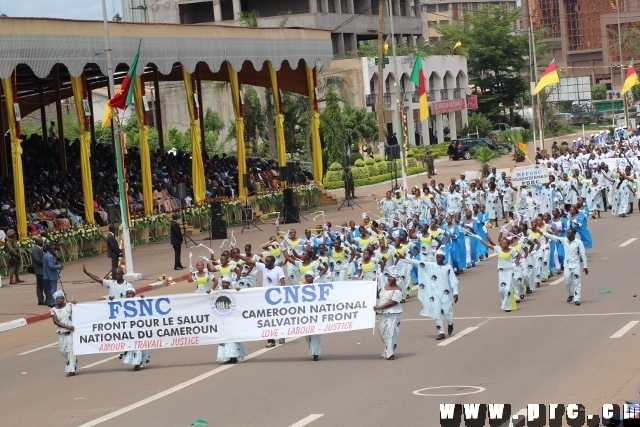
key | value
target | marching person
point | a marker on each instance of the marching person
(137, 358)
(437, 291)
(388, 305)
(230, 352)
(573, 253)
(118, 287)
(61, 314)
(176, 242)
(272, 275)
(203, 279)
(313, 341)
(12, 249)
(508, 258)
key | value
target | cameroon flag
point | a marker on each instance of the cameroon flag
(417, 78)
(521, 148)
(387, 43)
(631, 79)
(458, 44)
(549, 77)
(124, 96)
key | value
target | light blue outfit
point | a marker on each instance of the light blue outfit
(231, 349)
(313, 341)
(579, 223)
(436, 287)
(136, 357)
(390, 319)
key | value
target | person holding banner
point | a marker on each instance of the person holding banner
(224, 267)
(117, 288)
(61, 314)
(299, 267)
(313, 341)
(389, 297)
(272, 275)
(230, 352)
(203, 279)
(136, 357)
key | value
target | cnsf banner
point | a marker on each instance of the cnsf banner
(525, 176)
(223, 316)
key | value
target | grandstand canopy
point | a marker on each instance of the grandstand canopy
(32, 47)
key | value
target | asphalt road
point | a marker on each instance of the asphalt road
(546, 352)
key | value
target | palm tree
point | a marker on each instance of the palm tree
(484, 156)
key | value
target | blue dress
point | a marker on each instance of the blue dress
(579, 223)
(481, 219)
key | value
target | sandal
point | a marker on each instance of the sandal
(71, 374)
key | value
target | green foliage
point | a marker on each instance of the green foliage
(335, 166)
(248, 18)
(331, 176)
(373, 169)
(377, 158)
(355, 157)
(412, 162)
(382, 167)
(496, 55)
(598, 92)
(359, 162)
(477, 121)
(332, 185)
(369, 161)
(360, 172)
(484, 156)
(344, 126)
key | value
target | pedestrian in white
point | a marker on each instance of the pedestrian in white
(573, 254)
(61, 314)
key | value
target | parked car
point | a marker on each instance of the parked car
(461, 148)
(502, 127)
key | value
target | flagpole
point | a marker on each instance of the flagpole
(124, 214)
(400, 101)
(622, 73)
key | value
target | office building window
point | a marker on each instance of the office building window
(432, 8)
(444, 22)
(443, 7)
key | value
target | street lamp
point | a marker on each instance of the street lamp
(124, 214)
(399, 99)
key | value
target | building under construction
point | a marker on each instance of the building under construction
(584, 35)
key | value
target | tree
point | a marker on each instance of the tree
(598, 92)
(484, 156)
(255, 124)
(477, 121)
(117, 18)
(497, 56)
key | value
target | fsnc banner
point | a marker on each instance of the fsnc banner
(170, 321)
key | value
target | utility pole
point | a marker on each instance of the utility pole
(124, 214)
(622, 73)
(535, 71)
(380, 107)
(399, 102)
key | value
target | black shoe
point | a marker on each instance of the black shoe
(508, 311)
(577, 303)
(178, 268)
(392, 357)
(121, 356)
(315, 358)
(233, 360)
(529, 291)
(570, 298)
(42, 303)
(521, 296)
(440, 337)
(450, 330)
(281, 341)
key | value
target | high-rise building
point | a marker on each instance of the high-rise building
(584, 35)
(351, 21)
(447, 12)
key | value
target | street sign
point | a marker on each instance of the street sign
(385, 61)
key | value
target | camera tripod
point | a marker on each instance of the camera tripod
(348, 200)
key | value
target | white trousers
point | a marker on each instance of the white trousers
(573, 282)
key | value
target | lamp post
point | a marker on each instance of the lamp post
(399, 100)
(124, 214)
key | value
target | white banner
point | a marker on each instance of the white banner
(171, 321)
(525, 176)
(616, 164)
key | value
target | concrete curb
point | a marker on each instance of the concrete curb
(18, 323)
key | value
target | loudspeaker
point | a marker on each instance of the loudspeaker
(284, 173)
(292, 168)
(113, 214)
(292, 214)
(219, 231)
(181, 189)
(392, 152)
(245, 180)
(216, 209)
(218, 224)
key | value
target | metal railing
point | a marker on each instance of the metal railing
(444, 93)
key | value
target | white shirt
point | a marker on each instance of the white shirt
(573, 251)
(270, 278)
(117, 290)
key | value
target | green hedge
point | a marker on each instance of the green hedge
(332, 185)
(386, 177)
(437, 150)
(360, 172)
